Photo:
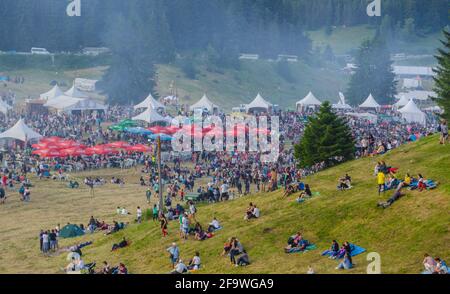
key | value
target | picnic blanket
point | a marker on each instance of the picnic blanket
(308, 248)
(355, 250)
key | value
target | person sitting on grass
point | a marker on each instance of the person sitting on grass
(345, 183)
(227, 246)
(421, 183)
(333, 251)
(214, 225)
(429, 263)
(122, 269)
(289, 191)
(441, 267)
(296, 242)
(249, 212)
(121, 244)
(347, 263)
(243, 259)
(180, 268)
(236, 249)
(195, 262)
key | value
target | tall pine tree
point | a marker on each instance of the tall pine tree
(327, 138)
(374, 74)
(442, 79)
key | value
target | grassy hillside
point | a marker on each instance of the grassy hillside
(234, 87)
(416, 224)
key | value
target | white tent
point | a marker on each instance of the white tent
(86, 104)
(75, 93)
(53, 93)
(152, 116)
(412, 113)
(370, 103)
(4, 107)
(62, 103)
(402, 102)
(341, 104)
(418, 95)
(309, 100)
(204, 104)
(150, 101)
(258, 104)
(20, 131)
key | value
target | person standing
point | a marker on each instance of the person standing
(2, 195)
(139, 214)
(444, 132)
(148, 195)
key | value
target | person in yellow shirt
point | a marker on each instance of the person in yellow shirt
(407, 181)
(381, 182)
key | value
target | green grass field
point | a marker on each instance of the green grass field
(416, 224)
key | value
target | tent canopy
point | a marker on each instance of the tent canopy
(412, 113)
(309, 100)
(150, 101)
(71, 231)
(402, 102)
(20, 131)
(258, 103)
(53, 93)
(204, 103)
(75, 93)
(370, 103)
(151, 116)
(63, 102)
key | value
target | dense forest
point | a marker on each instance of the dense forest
(257, 26)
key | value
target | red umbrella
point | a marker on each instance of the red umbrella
(39, 146)
(67, 144)
(51, 154)
(119, 144)
(155, 129)
(39, 152)
(51, 140)
(101, 150)
(73, 151)
(140, 148)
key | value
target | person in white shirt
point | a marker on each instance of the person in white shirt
(195, 262)
(139, 215)
(180, 268)
(214, 225)
(224, 192)
(256, 212)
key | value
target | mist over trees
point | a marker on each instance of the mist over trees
(374, 74)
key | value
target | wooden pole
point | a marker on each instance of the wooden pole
(159, 175)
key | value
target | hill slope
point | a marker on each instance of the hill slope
(416, 224)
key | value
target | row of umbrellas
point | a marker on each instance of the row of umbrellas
(55, 147)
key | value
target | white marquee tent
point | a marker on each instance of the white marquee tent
(309, 100)
(20, 131)
(204, 104)
(53, 93)
(402, 102)
(75, 93)
(412, 113)
(370, 103)
(259, 104)
(151, 116)
(63, 102)
(150, 102)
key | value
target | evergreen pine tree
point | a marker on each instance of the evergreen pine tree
(442, 79)
(327, 139)
(374, 74)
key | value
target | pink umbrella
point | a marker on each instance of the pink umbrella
(119, 144)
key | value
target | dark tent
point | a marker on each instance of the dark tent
(70, 231)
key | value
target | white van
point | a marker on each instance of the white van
(39, 51)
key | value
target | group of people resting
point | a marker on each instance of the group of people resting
(336, 252)
(178, 266)
(95, 225)
(296, 243)
(434, 265)
(252, 212)
(77, 266)
(297, 187)
(235, 250)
